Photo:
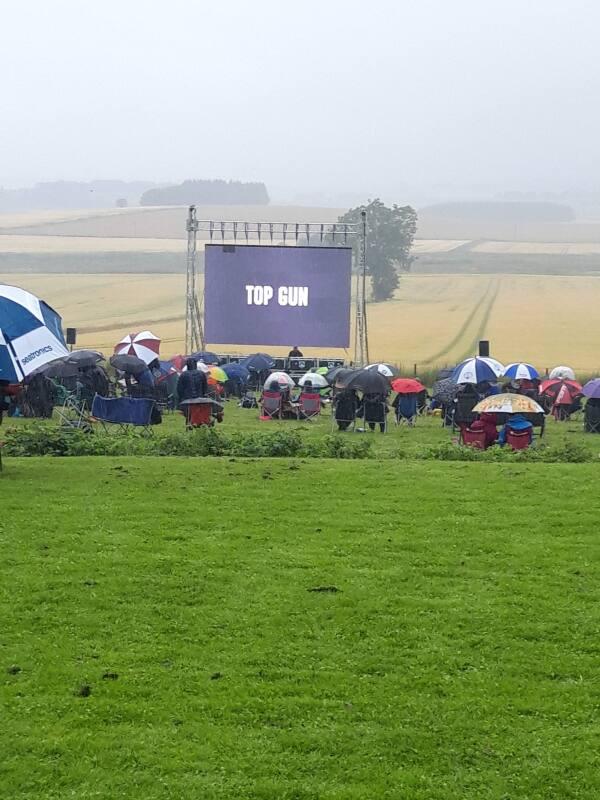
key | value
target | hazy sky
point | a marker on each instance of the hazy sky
(330, 97)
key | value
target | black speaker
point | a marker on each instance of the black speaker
(71, 335)
(484, 348)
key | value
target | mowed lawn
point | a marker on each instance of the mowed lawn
(214, 628)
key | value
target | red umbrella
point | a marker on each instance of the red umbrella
(407, 386)
(566, 390)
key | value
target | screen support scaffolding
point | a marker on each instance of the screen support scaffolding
(275, 233)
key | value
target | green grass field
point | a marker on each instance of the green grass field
(300, 628)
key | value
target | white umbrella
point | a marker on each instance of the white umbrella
(387, 370)
(282, 378)
(317, 380)
(562, 373)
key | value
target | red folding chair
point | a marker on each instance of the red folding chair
(199, 414)
(471, 438)
(310, 405)
(518, 440)
(271, 405)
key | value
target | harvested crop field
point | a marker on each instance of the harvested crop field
(433, 320)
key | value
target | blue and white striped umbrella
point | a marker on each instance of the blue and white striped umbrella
(30, 334)
(521, 372)
(476, 370)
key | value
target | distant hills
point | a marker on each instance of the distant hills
(73, 194)
(61, 195)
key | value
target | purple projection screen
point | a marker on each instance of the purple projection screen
(276, 295)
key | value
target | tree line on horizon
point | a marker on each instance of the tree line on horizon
(207, 192)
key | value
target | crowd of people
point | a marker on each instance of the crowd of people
(358, 398)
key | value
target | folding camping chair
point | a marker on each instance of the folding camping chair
(472, 438)
(406, 410)
(74, 413)
(271, 405)
(125, 412)
(310, 405)
(198, 412)
(591, 418)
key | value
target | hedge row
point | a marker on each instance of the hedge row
(45, 439)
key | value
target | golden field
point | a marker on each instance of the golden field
(433, 320)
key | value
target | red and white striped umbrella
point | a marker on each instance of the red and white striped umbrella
(144, 345)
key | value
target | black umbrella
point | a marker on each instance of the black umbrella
(444, 391)
(258, 362)
(58, 369)
(132, 365)
(84, 358)
(366, 380)
(338, 373)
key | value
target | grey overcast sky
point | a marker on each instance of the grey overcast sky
(313, 97)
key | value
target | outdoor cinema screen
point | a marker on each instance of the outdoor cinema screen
(277, 295)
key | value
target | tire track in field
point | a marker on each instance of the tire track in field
(462, 330)
(111, 326)
(484, 321)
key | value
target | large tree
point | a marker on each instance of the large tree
(390, 234)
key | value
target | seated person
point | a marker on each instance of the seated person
(374, 409)
(486, 423)
(345, 404)
(517, 424)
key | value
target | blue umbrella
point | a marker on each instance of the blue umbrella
(237, 371)
(30, 334)
(258, 362)
(206, 356)
(520, 371)
(477, 370)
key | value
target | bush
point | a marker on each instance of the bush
(45, 439)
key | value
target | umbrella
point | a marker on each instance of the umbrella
(206, 356)
(477, 370)
(387, 370)
(521, 372)
(562, 372)
(407, 386)
(592, 388)
(508, 403)
(84, 358)
(560, 392)
(552, 388)
(258, 362)
(338, 373)
(167, 370)
(59, 369)
(494, 364)
(282, 378)
(131, 365)
(317, 380)
(217, 374)
(144, 345)
(366, 380)
(30, 334)
(444, 391)
(237, 372)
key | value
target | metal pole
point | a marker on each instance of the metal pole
(193, 326)
(365, 343)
